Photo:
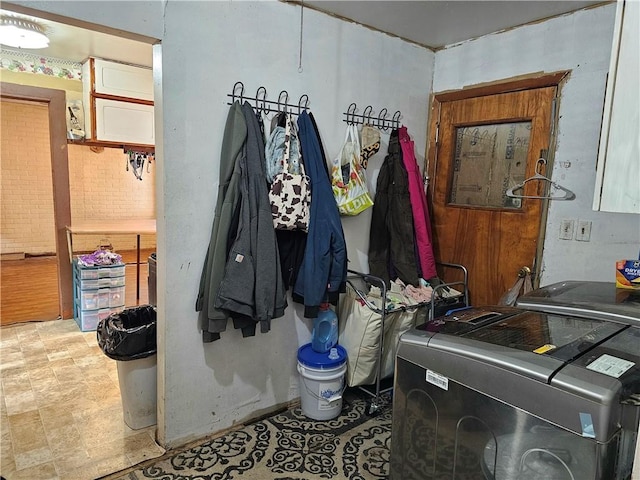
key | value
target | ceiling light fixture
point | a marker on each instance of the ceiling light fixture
(22, 33)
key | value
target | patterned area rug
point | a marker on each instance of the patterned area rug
(289, 446)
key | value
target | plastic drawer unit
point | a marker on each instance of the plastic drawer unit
(98, 292)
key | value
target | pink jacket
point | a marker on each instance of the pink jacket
(421, 220)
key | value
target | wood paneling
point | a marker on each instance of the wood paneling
(29, 287)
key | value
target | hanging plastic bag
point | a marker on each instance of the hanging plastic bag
(523, 282)
(348, 177)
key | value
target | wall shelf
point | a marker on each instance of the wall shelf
(103, 144)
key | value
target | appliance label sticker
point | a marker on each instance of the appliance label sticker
(609, 365)
(544, 348)
(437, 380)
(587, 425)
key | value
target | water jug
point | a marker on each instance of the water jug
(325, 330)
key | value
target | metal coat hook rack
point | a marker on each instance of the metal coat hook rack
(261, 104)
(381, 121)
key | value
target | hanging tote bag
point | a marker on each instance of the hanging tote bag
(348, 177)
(370, 143)
(290, 193)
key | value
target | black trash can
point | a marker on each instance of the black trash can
(129, 337)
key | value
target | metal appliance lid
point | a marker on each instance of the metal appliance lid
(617, 358)
(465, 320)
(532, 344)
(558, 336)
(600, 300)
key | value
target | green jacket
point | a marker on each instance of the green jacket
(213, 320)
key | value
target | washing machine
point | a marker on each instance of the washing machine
(501, 393)
(583, 298)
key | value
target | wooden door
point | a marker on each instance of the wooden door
(484, 146)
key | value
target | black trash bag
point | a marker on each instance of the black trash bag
(128, 335)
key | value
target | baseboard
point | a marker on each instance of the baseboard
(12, 256)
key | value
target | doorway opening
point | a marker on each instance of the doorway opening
(54, 101)
(27, 213)
(57, 68)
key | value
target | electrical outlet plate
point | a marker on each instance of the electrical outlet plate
(566, 229)
(583, 232)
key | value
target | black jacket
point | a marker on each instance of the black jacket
(392, 248)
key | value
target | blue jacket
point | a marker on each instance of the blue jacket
(323, 272)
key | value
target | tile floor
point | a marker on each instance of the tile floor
(61, 411)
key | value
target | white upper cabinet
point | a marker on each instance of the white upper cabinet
(122, 80)
(119, 100)
(124, 122)
(618, 171)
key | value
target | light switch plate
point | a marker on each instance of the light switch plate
(566, 230)
(583, 232)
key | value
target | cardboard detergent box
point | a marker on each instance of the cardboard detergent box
(628, 274)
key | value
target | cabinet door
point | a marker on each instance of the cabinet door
(124, 122)
(112, 78)
(618, 172)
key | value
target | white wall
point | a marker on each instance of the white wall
(212, 386)
(581, 43)
(206, 48)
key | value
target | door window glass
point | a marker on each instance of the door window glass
(489, 159)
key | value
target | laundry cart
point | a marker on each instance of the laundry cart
(370, 326)
(500, 393)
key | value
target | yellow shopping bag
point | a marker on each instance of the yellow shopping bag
(348, 177)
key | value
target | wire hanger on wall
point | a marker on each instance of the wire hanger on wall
(381, 121)
(264, 105)
(566, 193)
